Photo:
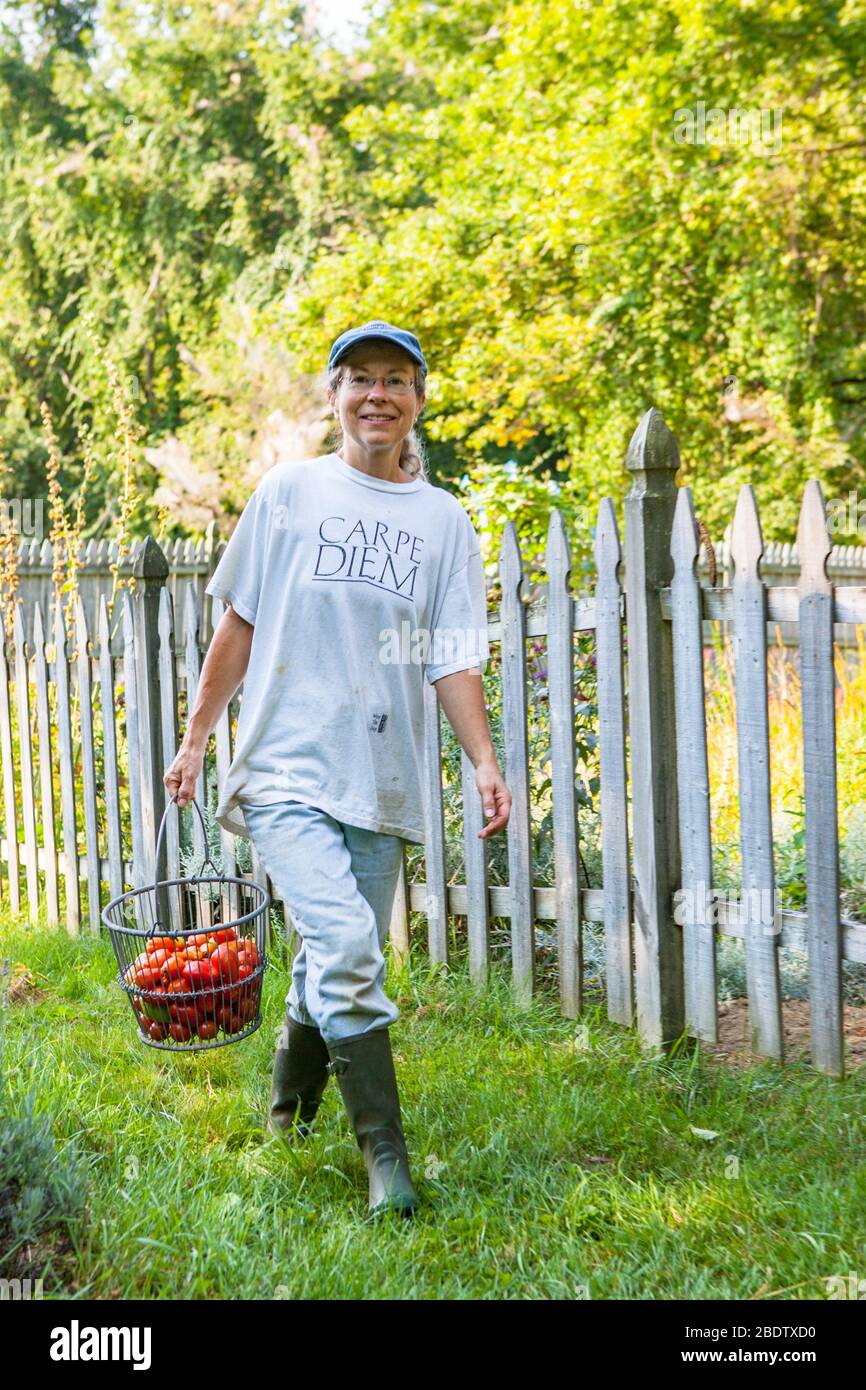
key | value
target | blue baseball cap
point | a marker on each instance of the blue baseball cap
(376, 328)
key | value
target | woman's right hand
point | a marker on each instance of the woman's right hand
(181, 777)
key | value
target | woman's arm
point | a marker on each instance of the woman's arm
(462, 697)
(224, 668)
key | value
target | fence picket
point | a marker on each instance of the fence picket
(8, 759)
(618, 943)
(192, 663)
(170, 739)
(435, 865)
(114, 841)
(476, 854)
(476, 851)
(130, 691)
(46, 769)
(222, 733)
(819, 773)
(88, 765)
(25, 748)
(66, 757)
(653, 459)
(699, 936)
(514, 716)
(566, 835)
(753, 743)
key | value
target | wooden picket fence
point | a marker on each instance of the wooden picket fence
(659, 938)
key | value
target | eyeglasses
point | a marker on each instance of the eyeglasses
(398, 382)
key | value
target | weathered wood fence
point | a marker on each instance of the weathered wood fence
(661, 919)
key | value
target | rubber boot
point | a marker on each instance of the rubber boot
(299, 1079)
(364, 1068)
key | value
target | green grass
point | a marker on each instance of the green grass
(553, 1162)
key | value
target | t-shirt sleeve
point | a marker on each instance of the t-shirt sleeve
(458, 640)
(238, 576)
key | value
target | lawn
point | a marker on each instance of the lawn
(555, 1160)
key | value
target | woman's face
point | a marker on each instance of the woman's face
(374, 414)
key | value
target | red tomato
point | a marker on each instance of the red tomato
(157, 1031)
(146, 978)
(207, 1030)
(185, 1014)
(159, 943)
(229, 1020)
(197, 975)
(223, 934)
(180, 1032)
(172, 968)
(224, 963)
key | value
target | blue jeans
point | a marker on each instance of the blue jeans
(338, 883)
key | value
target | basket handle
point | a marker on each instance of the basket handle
(207, 859)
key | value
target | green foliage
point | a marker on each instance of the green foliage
(212, 194)
(41, 1187)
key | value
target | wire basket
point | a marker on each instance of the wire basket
(190, 959)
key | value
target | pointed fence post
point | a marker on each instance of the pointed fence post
(758, 910)
(693, 792)
(151, 572)
(653, 459)
(815, 593)
(616, 885)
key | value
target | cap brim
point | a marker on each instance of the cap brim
(376, 338)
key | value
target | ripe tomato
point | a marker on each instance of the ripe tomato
(146, 978)
(181, 1032)
(159, 943)
(197, 975)
(223, 934)
(248, 949)
(224, 963)
(207, 1030)
(229, 1020)
(172, 967)
(184, 1013)
(157, 1031)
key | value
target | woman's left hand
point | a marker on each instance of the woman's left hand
(495, 798)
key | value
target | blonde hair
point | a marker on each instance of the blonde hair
(413, 454)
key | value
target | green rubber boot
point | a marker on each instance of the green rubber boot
(299, 1079)
(364, 1068)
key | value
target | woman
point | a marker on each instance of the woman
(348, 580)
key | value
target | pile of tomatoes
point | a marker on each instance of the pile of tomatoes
(195, 985)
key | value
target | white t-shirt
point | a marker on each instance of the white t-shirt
(358, 589)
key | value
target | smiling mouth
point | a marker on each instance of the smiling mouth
(379, 419)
